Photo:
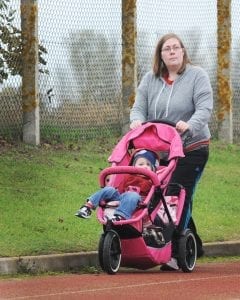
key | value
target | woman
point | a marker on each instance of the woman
(179, 92)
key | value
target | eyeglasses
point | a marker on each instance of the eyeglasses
(173, 48)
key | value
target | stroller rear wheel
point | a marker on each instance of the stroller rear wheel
(187, 251)
(110, 252)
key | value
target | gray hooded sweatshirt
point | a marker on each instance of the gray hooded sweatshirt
(189, 99)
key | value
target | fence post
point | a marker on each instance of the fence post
(30, 97)
(129, 74)
(224, 91)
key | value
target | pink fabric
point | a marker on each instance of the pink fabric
(144, 257)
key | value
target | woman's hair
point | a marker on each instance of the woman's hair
(159, 67)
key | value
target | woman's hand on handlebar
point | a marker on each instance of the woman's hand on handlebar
(182, 126)
(135, 124)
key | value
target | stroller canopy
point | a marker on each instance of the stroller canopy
(158, 137)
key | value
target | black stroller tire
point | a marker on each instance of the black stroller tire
(187, 251)
(111, 256)
(100, 251)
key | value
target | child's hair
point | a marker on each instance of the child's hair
(151, 156)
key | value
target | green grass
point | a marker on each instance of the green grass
(42, 187)
(216, 205)
(50, 132)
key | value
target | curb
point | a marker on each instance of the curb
(74, 261)
(48, 263)
(231, 248)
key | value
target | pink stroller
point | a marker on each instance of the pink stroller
(150, 237)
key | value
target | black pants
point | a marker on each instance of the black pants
(187, 173)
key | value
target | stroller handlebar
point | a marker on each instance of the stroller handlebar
(161, 121)
(185, 136)
(129, 170)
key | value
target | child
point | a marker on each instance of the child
(125, 194)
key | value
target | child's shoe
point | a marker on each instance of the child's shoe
(84, 212)
(117, 218)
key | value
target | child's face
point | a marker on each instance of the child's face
(142, 162)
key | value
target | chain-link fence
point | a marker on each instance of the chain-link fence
(235, 68)
(81, 96)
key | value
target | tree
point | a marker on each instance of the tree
(11, 44)
(95, 65)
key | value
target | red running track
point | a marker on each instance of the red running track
(208, 281)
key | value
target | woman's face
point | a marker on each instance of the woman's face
(172, 54)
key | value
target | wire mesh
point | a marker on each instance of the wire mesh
(81, 97)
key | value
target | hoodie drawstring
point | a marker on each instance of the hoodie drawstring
(164, 84)
(170, 95)
(168, 101)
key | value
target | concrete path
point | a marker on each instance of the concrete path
(75, 261)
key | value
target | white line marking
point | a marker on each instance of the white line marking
(119, 287)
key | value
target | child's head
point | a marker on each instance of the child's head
(145, 159)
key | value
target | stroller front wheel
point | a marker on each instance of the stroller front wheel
(110, 253)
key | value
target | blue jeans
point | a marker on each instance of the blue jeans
(128, 200)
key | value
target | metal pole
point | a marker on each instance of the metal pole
(224, 89)
(30, 95)
(129, 74)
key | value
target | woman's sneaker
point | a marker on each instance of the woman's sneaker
(84, 212)
(172, 265)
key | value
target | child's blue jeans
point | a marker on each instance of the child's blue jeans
(128, 200)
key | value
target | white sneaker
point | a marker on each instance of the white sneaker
(84, 212)
(170, 266)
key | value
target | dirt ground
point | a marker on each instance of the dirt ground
(208, 281)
